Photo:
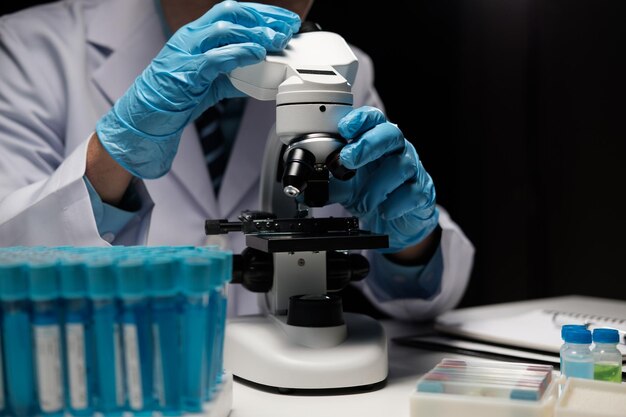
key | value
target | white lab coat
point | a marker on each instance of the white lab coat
(62, 66)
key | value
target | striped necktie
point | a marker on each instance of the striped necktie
(214, 145)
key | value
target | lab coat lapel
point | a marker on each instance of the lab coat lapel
(133, 44)
(132, 35)
(245, 162)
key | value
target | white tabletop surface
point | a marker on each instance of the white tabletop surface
(406, 364)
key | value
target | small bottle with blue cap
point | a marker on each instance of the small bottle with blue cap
(78, 339)
(577, 357)
(17, 340)
(166, 333)
(132, 285)
(606, 357)
(46, 322)
(101, 284)
(564, 329)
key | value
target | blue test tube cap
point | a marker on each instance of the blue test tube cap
(605, 335)
(13, 281)
(44, 281)
(224, 266)
(100, 279)
(197, 274)
(568, 327)
(581, 336)
(163, 271)
(72, 278)
(132, 279)
(227, 258)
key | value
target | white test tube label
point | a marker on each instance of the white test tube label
(2, 399)
(133, 367)
(48, 359)
(119, 368)
(76, 365)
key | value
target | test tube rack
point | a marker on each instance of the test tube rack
(113, 331)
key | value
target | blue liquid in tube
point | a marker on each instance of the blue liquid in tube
(166, 333)
(46, 326)
(17, 341)
(137, 335)
(107, 342)
(216, 322)
(196, 283)
(77, 339)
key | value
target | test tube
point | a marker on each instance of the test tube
(78, 338)
(196, 283)
(17, 340)
(44, 293)
(2, 396)
(166, 333)
(109, 378)
(216, 321)
(137, 331)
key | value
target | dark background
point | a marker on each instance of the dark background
(517, 109)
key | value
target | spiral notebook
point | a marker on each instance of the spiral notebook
(535, 324)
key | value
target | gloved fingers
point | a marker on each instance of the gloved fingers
(383, 139)
(250, 14)
(226, 58)
(417, 198)
(277, 13)
(226, 33)
(222, 88)
(392, 173)
(359, 121)
(342, 192)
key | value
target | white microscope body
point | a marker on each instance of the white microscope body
(311, 82)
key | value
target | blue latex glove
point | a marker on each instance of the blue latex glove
(142, 130)
(391, 192)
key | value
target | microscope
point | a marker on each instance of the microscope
(303, 340)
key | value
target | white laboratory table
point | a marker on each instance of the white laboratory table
(406, 364)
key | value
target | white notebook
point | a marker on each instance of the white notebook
(535, 324)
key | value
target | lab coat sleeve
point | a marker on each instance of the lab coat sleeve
(43, 198)
(440, 284)
(57, 210)
(391, 281)
(110, 220)
(453, 262)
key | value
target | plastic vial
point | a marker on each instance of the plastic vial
(77, 338)
(3, 403)
(564, 329)
(108, 350)
(577, 357)
(17, 341)
(607, 359)
(196, 284)
(217, 322)
(137, 334)
(166, 333)
(46, 327)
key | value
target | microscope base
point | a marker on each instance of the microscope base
(258, 350)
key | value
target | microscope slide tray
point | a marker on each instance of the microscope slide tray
(302, 243)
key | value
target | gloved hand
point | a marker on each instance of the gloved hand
(391, 192)
(143, 129)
